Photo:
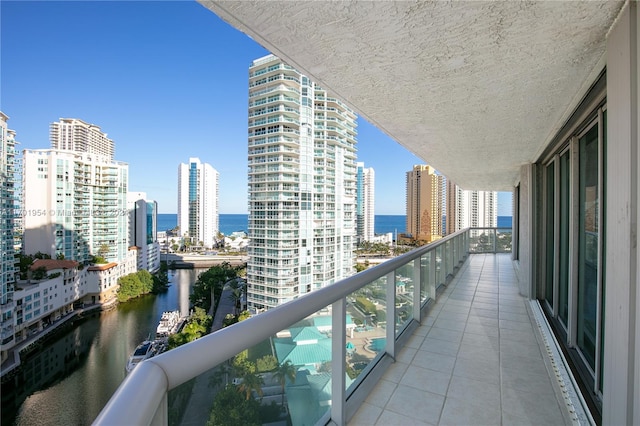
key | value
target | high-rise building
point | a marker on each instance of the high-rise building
(143, 221)
(7, 229)
(72, 134)
(424, 204)
(365, 209)
(198, 218)
(302, 185)
(470, 208)
(75, 205)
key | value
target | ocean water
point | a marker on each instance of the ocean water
(230, 223)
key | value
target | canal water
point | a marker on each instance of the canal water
(70, 379)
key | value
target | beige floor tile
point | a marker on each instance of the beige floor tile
(416, 404)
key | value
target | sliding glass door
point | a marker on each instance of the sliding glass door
(571, 279)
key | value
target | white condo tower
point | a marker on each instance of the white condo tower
(302, 185)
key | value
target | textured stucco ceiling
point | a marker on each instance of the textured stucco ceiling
(475, 89)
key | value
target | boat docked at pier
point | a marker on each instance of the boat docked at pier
(170, 323)
(144, 350)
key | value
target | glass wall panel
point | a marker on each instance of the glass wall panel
(604, 247)
(549, 234)
(404, 296)
(440, 274)
(427, 286)
(563, 250)
(366, 329)
(588, 245)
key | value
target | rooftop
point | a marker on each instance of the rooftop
(51, 264)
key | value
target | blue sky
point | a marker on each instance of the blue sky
(166, 81)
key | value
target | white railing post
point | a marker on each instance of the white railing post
(417, 280)
(391, 314)
(338, 360)
(495, 238)
(433, 275)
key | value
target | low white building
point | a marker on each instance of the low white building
(48, 295)
(383, 238)
(103, 279)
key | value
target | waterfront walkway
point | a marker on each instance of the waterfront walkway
(199, 406)
(477, 358)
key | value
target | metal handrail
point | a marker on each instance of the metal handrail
(141, 398)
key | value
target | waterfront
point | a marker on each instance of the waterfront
(69, 379)
(240, 222)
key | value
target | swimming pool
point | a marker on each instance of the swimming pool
(377, 344)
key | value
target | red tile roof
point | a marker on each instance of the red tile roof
(102, 267)
(50, 264)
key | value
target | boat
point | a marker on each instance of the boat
(170, 323)
(144, 350)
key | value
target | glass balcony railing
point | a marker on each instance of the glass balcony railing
(314, 359)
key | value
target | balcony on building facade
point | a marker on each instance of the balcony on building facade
(447, 324)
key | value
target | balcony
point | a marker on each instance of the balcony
(465, 347)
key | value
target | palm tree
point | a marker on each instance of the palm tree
(285, 371)
(236, 296)
(251, 382)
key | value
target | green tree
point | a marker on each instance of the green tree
(146, 280)
(266, 363)
(244, 315)
(129, 287)
(98, 260)
(39, 273)
(197, 326)
(236, 297)
(251, 382)
(285, 371)
(103, 251)
(231, 409)
(210, 283)
(161, 279)
(24, 261)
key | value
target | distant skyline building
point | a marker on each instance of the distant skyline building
(302, 185)
(143, 230)
(198, 203)
(425, 198)
(365, 208)
(72, 134)
(470, 208)
(7, 229)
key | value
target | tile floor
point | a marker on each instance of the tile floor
(475, 360)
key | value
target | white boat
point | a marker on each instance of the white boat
(170, 323)
(144, 350)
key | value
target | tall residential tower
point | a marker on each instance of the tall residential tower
(302, 185)
(198, 203)
(365, 210)
(72, 134)
(425, 197)
(7, 228)
(75, 208)
(470, 208)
